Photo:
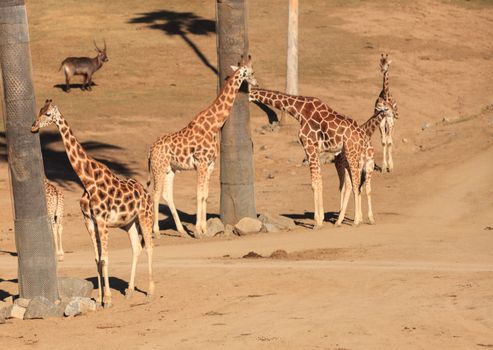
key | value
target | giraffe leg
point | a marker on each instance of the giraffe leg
(145, 223)
(133, 234)
(158, 189)
(344, 197)
(103, 236)
(356, 177)
(59, 226)
(339, 164)
(390, 166)
(168, 197)
(371, 219)
(317, 186)
(383, 138)
(202, 195)
(91, 228)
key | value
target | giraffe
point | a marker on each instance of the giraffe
(108, 201)
(322, 130)
(196, 146)
(54, 203)
(387, 124)
(383, 110)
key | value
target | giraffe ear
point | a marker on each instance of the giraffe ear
(234, 68)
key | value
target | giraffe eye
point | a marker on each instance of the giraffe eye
(48, 114)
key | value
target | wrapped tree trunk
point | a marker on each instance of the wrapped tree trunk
(237, 176)
(33, 237)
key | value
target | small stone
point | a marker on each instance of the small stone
(74, 287)
(281, 222)
(5, 311)
(22, 302)
(404, 140)
(271, 228)
(214, 226)
(17, 312)
(78, 305)
(252, 255)
(248, 225)
(263, 147)
(40, 307)
(270, 176)
(279, 254)
(229, 230)
(425, 126)
(446, 120)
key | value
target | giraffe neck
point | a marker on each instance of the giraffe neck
(371, 124)
(385, 88)
(293, 105)
(82, 163)
(221, 107)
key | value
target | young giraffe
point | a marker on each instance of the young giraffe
(54, 202)
(384, 110)
(107, 201)
(387, 124)
(194, 147)
(321, 130)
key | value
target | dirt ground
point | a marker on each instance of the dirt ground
(421, 278)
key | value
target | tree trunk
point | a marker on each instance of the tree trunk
(33, 236)
(237, 176)
(292, 55)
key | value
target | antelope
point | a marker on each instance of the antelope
(85, 66)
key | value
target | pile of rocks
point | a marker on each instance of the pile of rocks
(264, 223)
(75, 298)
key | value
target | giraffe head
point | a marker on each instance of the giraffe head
(244, 71)
(385, 62)
(386, 109)
(48, 114)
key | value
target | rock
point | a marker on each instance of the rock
(425, 126)
(281, 222)
(214, 226)
(78, 305)
(268, 156)
(252, 255)
(40, 307)
(270, 176)
(404, 140)
(263, 147)
(69, 287)
(270, 228)
(17, 312)
(22, 302)
(446, 120)
(279, 254)
(248, 225)
(5, 311)
(229, 230)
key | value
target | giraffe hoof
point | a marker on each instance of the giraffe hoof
(60, 258)
(338, 224)
(371, 221)
(128, 293)
(108, 305)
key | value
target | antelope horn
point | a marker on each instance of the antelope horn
(96, 46)
(104, 40)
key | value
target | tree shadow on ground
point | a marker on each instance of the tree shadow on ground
(183, 24)
(63, 87)
(330, 216)
(57, 166)
(3, 293)
(169, 223)
(115, 283)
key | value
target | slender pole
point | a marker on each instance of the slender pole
(292, 55)
(237, 190)
(33, 236)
